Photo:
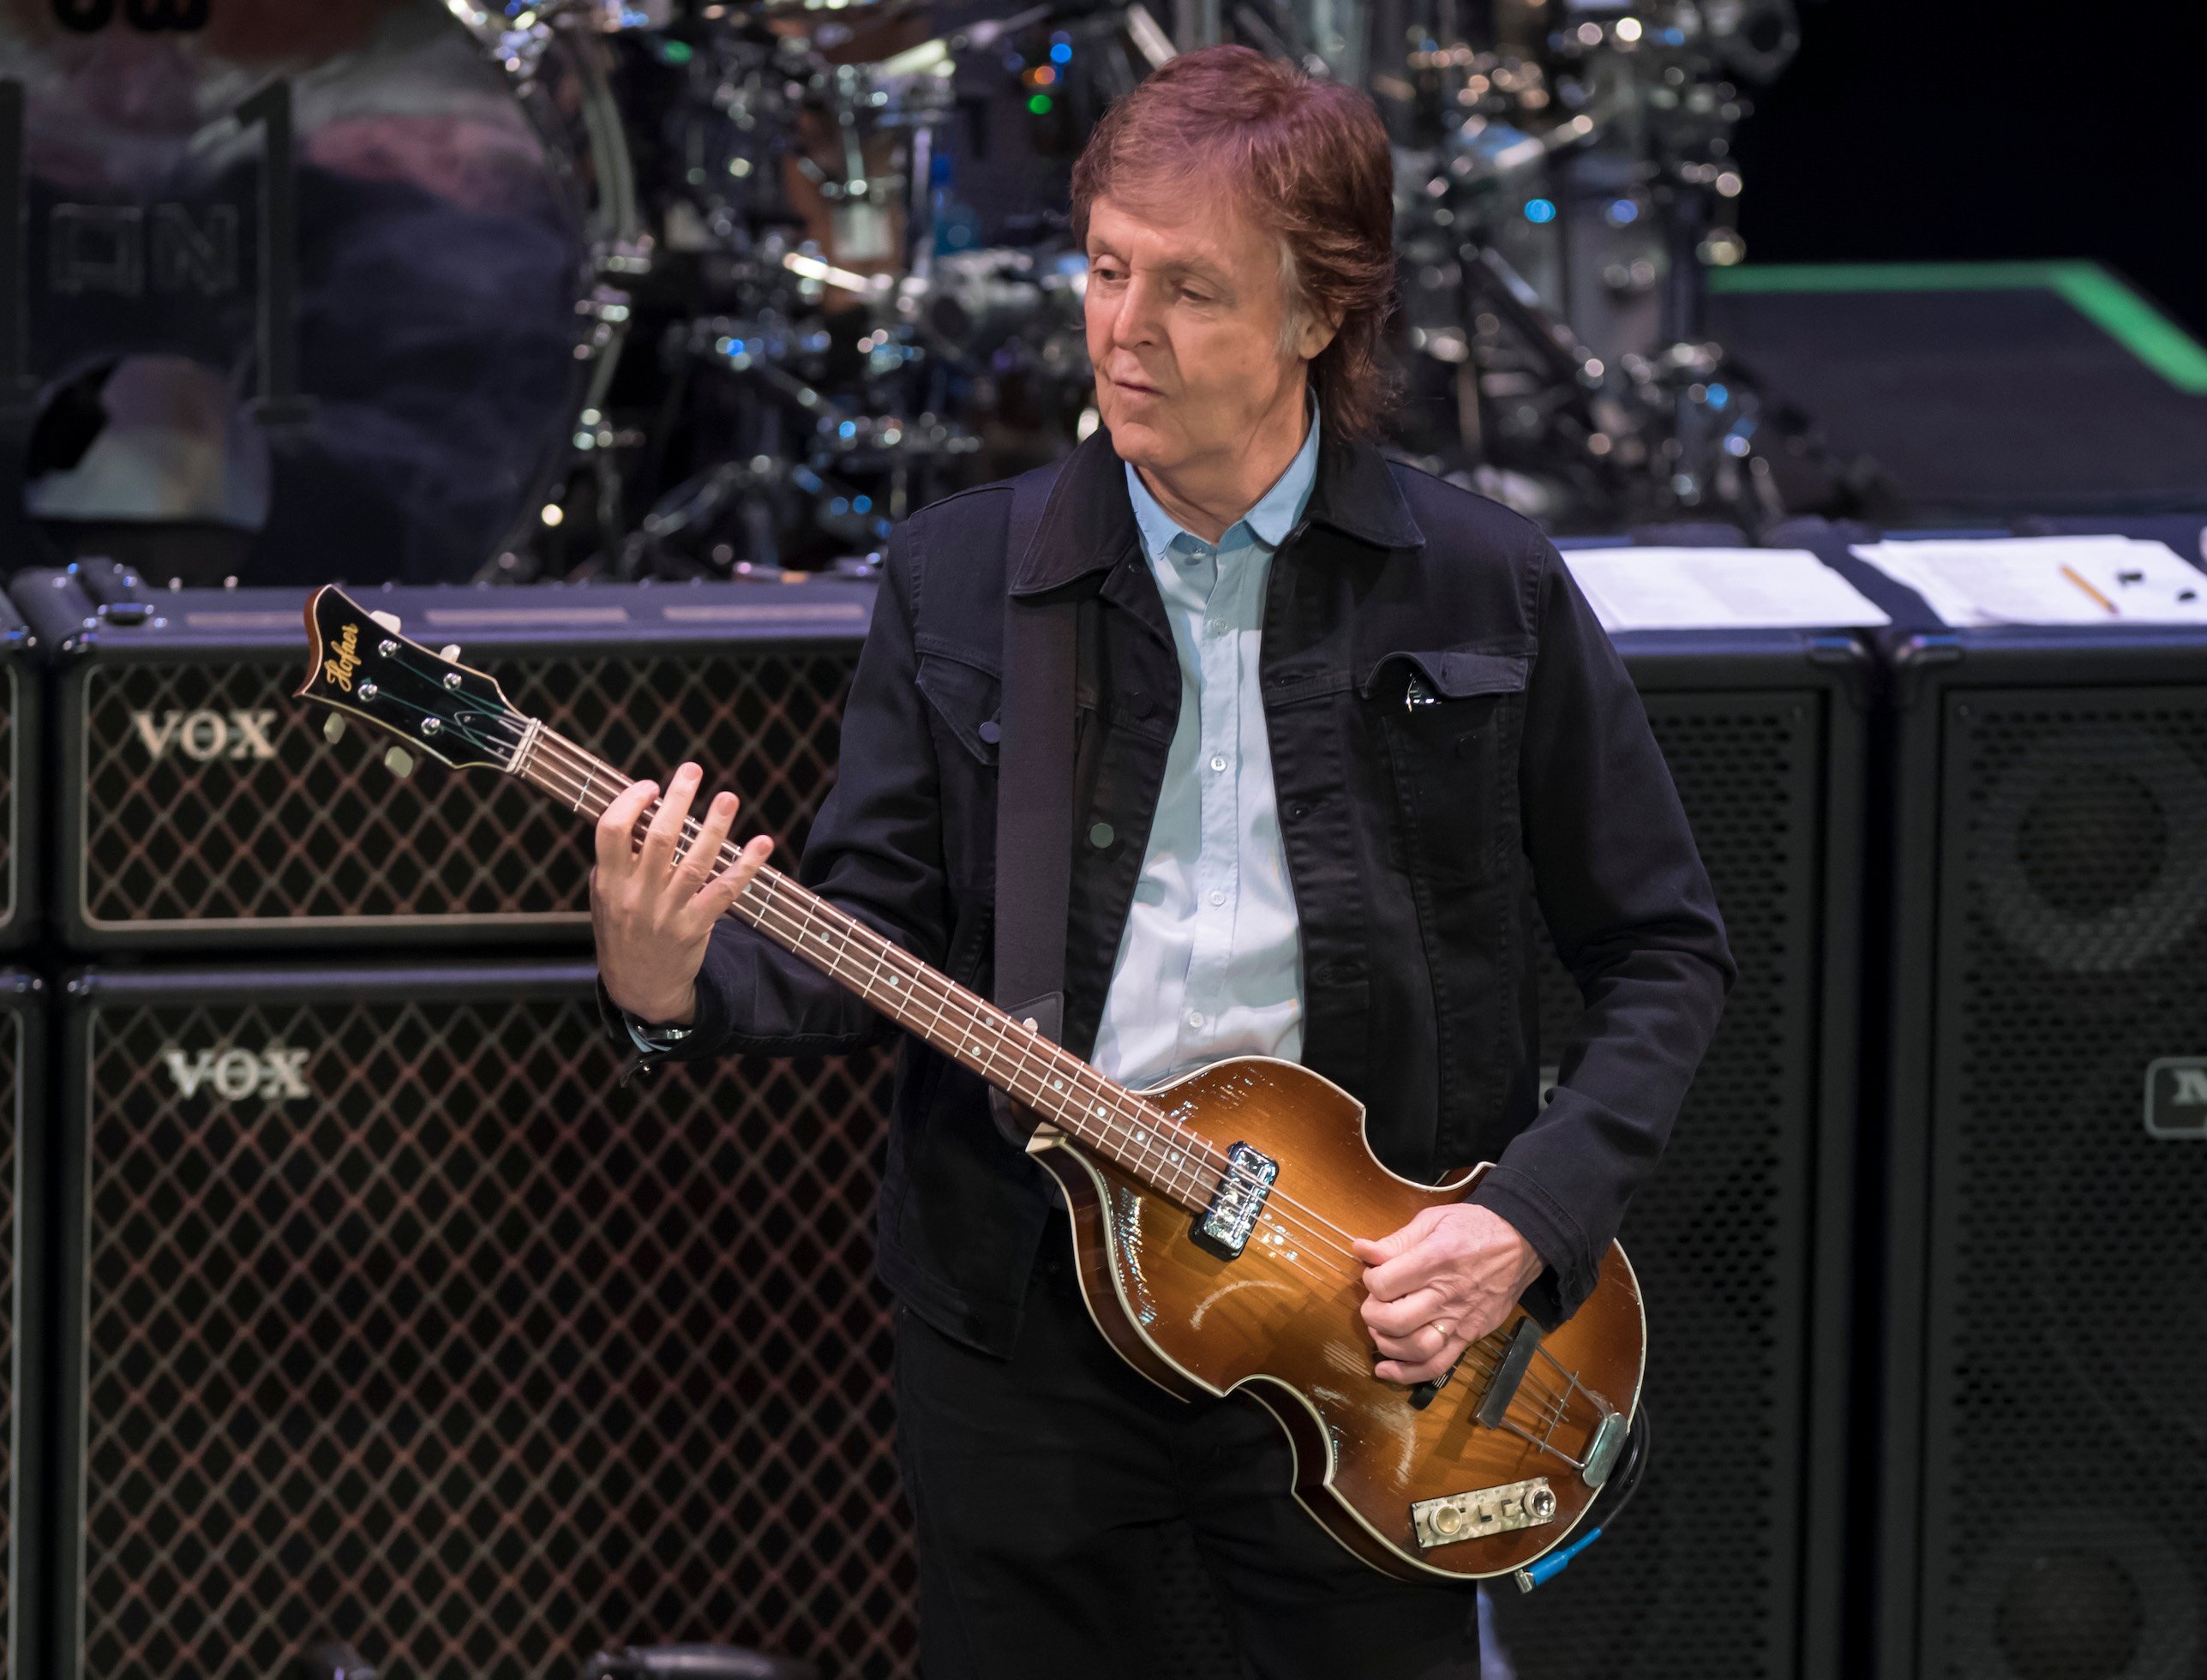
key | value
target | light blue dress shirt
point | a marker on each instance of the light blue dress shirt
(1210, 962)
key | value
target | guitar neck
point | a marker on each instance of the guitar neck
(1102, 1113)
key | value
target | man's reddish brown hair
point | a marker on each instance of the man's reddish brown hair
(1310, 164)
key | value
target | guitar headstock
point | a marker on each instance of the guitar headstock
(363, 668)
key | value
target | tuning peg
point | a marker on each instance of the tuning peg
(388, 620)
(333, 728)
(398, 761)
(449, 650)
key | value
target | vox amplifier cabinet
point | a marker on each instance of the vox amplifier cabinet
(22, 1129)
(20, 765)
(201, 807)
(391, 1316)
(1743, 1239)
(2045, 1417)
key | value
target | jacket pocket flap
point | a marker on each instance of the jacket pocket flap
(966, 698)
(1457, 674)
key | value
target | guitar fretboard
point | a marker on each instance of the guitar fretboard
(1105, 1116)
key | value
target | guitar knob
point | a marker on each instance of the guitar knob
(389, 620)
(398, 761)
(449, 650)
(333, 728)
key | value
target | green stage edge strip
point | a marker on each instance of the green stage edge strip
(2091, 289)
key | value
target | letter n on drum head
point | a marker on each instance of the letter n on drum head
(2176, 1099)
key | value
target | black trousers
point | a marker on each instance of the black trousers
(1042, 1485)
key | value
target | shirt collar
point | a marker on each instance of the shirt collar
(1269, 521)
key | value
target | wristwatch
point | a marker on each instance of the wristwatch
(649, 1038)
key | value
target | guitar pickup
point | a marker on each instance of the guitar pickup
(1224, 1228)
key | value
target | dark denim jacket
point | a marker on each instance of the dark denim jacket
(1420, 840)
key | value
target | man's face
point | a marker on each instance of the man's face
(1184, 319)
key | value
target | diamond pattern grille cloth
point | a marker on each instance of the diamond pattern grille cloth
(1718, 1240)
(2066, 1449)
(315, 831)
(474, 1358)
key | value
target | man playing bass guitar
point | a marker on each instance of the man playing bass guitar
(1341, 730)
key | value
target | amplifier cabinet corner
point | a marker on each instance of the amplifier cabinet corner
(200, 807)
(392, 1316)
(2043, 1434)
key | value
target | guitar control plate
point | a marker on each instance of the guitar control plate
(1244, 1188)
(1487, 1510)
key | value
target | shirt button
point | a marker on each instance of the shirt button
(1195, 1017)
(1101, 836)
(1217, 761)
(1218, 898)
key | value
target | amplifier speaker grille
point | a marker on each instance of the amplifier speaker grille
(2066, 1444)
(404, 1325)
(211, 810)
(1720, 1238)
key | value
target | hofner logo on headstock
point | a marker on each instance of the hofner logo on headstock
(2176, 1098)
(275, 1074)
(343, 657)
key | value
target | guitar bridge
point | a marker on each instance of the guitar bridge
(1224, 1228)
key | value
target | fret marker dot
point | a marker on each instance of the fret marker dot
(1099, 1108)
(1056, 1084)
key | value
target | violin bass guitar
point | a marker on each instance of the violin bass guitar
(1213, 1215)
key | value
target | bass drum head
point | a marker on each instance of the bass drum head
(362, 357)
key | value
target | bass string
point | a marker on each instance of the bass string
(1307, 1221)
(577, 757)
(1314, 1226)
(791, 927)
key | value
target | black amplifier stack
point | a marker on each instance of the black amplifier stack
(350, 1294)
(381, 1309)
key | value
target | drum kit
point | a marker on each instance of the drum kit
(436, 290)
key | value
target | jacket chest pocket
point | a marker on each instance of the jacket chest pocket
(1451, 718)
(965, 701)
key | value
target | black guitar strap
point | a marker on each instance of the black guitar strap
(1034, 790)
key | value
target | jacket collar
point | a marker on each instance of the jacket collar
(1088, 524)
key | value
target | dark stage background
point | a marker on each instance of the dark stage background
(1916, 130)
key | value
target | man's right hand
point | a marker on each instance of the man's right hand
(653, 915)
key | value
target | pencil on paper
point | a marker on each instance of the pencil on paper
(2082, 582)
